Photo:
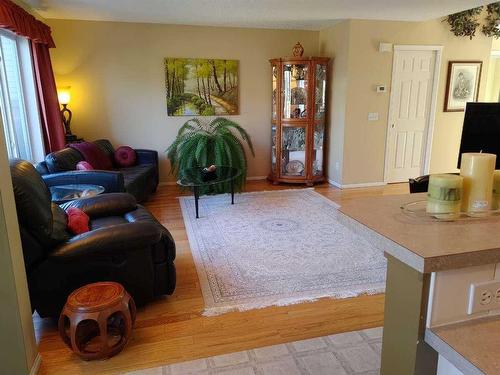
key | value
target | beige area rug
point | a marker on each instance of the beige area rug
(350, 353)
(278, 248)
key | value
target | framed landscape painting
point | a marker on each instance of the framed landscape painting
(201, 87)
(462, 84)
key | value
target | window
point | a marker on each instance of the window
(18, 103)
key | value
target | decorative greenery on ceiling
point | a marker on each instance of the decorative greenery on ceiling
(465, 23)
(492, 21)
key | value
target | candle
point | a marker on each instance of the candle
(496, 190)
(444, 196)
(477, 169)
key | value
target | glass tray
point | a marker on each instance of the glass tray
(418, 209)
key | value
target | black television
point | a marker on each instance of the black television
(481, 130)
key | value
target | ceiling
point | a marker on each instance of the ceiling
(286, 14)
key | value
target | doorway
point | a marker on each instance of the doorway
(415, 77)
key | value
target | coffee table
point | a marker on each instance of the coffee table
(195, 179)
(65, 193)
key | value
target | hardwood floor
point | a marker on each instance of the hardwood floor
(174, 330)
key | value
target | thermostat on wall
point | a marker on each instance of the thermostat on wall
(381, 88)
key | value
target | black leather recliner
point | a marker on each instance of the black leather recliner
(125, 244)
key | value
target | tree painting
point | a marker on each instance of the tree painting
(201, 87)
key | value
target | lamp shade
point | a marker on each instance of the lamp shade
(64, 95)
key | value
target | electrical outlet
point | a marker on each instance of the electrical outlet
(484, 296)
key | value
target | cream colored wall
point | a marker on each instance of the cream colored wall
(493, 81)
(495, 45)
(364, 141)
(18, 349)
(334, 43)
(17, 340)
(116, 74)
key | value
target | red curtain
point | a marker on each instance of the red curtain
(17, 20)
(52, 124)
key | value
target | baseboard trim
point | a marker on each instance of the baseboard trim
(251, 178)
(36, 364)
(334, 183)
(354, 186)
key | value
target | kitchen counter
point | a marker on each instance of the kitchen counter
(422, 243)
(473, 347)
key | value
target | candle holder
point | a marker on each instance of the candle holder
(419, 211)
(444, 196)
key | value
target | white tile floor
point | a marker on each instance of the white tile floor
(351, 353)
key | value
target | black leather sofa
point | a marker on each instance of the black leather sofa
(125, 244)
(140, 180)
(419, 184)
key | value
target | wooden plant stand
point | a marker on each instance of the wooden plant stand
(97, 320)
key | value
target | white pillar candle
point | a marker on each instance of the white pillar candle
(477, 169)
(444, 196)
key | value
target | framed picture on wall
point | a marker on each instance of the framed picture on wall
(462, 84)
(201, 87)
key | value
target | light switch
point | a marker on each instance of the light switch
(373, 116)
(385, 47)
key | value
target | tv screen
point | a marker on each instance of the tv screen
(481, 131)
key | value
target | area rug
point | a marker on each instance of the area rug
(278, 248)
(356, 352)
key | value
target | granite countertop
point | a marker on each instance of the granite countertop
(471, 346)
(423, 243)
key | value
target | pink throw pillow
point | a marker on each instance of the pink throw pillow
(125, 156)
(84, 166)
(78, 221)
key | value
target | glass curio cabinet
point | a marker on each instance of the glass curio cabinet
(298, 118)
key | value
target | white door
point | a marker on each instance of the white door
(409, 113)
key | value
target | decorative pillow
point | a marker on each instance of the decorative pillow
(125, 156)
(93, 155)
(84, 166)
(78, 221)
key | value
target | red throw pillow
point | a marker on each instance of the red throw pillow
(93, 155)
(125, 156)
(78, 221)
(84, 166)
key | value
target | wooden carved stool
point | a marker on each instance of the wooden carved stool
(97, 320)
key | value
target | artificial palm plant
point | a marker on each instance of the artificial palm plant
(202, 143)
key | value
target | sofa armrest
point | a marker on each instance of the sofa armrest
(113, 204)
(112, 240)
(112, 181)
(147, 156)
(42, 168)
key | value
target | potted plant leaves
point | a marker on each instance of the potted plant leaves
(219, 142)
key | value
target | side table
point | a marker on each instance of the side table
(97, 320)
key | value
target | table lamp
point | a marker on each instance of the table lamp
(64, 96)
